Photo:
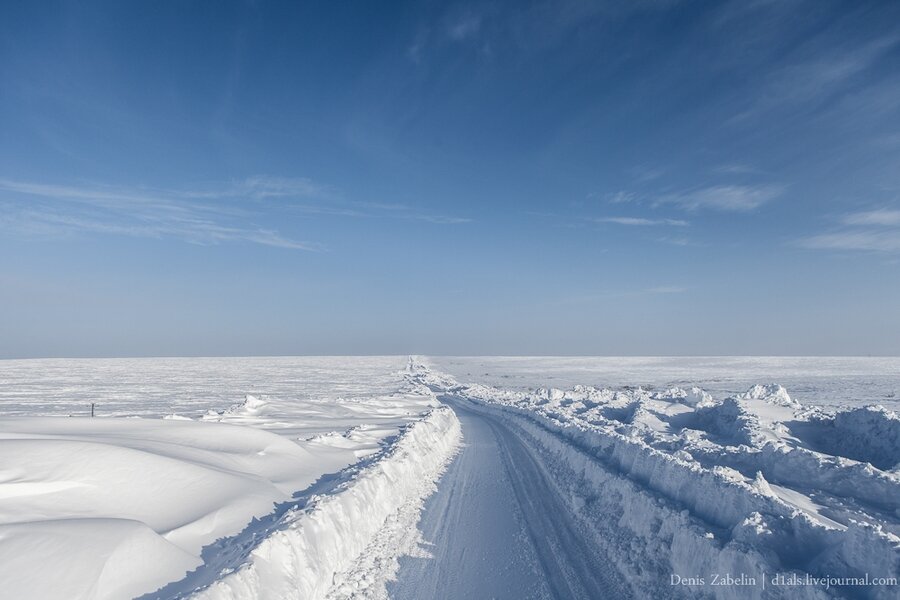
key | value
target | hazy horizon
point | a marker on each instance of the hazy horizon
(402, 354)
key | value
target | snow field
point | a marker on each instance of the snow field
(119, 507)
(312, 486)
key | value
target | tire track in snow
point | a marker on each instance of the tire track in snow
(499, 529)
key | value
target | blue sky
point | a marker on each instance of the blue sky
(568, 177)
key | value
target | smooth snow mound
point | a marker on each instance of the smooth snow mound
(113, 555)
(161, 489)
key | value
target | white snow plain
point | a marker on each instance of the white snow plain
(329, 457)
(813, 380)
(305, 477)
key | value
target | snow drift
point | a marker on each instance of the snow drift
(114, 507)
(675, 483)
(316, 548)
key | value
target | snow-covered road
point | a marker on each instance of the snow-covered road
(500, 529)
(593, 492)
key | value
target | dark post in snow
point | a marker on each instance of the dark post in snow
(92, 409)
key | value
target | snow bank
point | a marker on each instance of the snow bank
(692, 397)
(824, 381)
(692, 487)
(772, 394)
(869, 434)
(315, 547)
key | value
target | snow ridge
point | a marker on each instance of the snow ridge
(678, 483)
(345, 544)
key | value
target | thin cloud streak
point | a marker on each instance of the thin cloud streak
(194, 232)
(724, 198)
(440, 219)
(873, 241)
(137, 212)
(679, 241)
(882, 217)
(205, 216)
(622, 197)
(872, 231)
(262, 187)
(824, 70)
(876, 230)
(639, 221)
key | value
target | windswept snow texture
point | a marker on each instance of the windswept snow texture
(165, 493)
(680, 485)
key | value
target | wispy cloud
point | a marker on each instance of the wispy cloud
(735, 169)
(872, 231)
(262, 187)
(452, 29)
(620, 197)
(43, 222)
(327, 210)
(438, 219)
(374, 210)
(137, 212)
(464, 27)
(416, 48)
(883, 217)
(730, 198)
(725, 198)
(644, 174)
(818, 75)
(211, 214)
(258, 187)
(679, 241)
(825, 67)
(876, 241)
(639, 221)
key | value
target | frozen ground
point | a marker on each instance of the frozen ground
(577, 478)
